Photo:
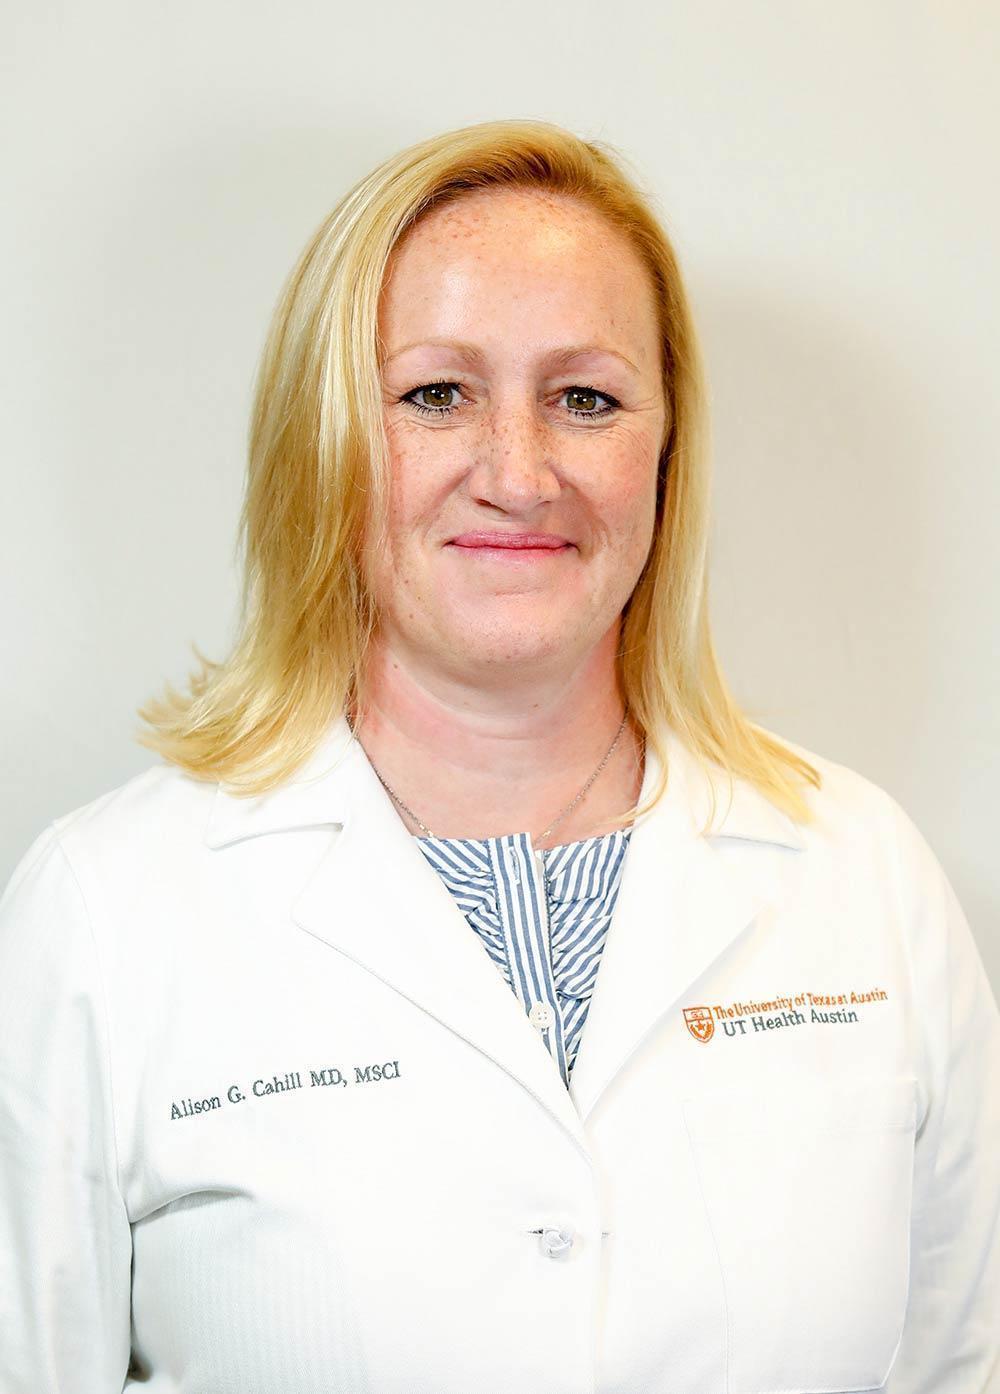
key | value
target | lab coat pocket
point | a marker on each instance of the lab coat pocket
(807, 1190)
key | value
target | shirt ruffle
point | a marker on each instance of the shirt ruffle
(581, 881)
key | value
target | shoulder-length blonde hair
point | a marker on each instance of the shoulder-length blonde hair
(317, 483)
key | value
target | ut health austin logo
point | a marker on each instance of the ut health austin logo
(698, 1021)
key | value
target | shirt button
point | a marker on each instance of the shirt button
(541, 1015)
(513, 868)
(556, 1242)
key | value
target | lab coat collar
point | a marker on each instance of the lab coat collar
(321, 793)
(374, 898)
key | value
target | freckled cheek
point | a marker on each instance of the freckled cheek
(625, 502)
(418, 494)
(415, 489)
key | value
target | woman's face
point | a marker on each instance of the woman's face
(523, 401)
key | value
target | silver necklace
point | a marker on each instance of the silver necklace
(567, 810)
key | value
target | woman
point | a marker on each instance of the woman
(473, 998)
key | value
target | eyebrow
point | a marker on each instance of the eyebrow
(558, 357)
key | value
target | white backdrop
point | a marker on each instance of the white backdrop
(824, 172)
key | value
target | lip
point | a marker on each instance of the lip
(511, 541)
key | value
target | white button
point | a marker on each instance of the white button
(541, 1015)
(556, 1242)
(513, 868)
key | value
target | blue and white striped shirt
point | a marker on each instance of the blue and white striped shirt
(543, 918)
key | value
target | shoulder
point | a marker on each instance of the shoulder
(156, 796)
(864, 822)
(847, 798)
(156, 812)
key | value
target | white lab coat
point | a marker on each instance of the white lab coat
(806, 1199)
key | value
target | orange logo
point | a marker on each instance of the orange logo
(698, 1021)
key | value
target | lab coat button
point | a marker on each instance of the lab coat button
(541, 1015)
(556, 1242)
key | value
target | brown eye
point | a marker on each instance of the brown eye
(436, 401)
(438, 394)
(583, 402)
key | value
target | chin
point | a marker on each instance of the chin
(483, 646)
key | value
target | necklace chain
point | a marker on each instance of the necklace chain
(566, 811)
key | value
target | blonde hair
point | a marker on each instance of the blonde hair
(317, 483)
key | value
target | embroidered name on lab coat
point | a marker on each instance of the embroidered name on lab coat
(328, 1078)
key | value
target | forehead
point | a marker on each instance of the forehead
(510, 247)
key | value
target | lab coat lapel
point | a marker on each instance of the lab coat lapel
(374, 898)
(681, 905)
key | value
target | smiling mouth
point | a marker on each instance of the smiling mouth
(512, 551)
(496, 540)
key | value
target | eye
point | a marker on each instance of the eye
(437, 403)
(437, 392)
(591, 394)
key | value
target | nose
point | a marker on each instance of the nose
(515, 466)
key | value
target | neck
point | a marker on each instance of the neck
(475, 761)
